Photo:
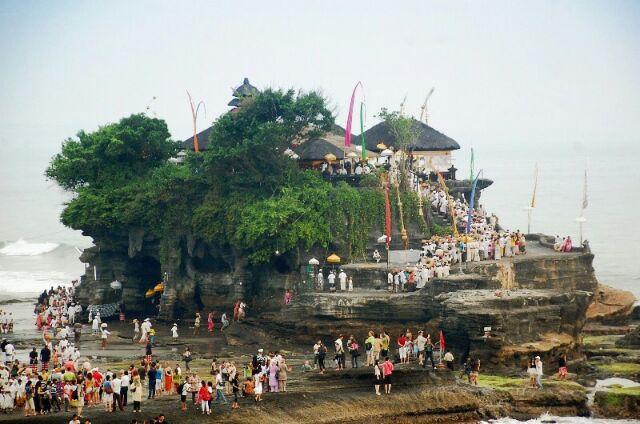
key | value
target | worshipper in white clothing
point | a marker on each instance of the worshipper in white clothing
(343, 280)
(174, 332)
(332, 281)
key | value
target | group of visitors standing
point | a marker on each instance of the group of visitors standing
(345, 282)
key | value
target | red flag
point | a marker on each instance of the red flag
(387, 213)
(347, 131)
(442, 344)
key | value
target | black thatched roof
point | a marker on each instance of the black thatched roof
(245, 90)
(317, 149)
(203, 140)
(427, 139)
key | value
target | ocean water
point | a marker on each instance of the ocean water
(37, 251)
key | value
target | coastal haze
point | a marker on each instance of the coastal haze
(550, 83)
(547, 84)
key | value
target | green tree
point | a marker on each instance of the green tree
(113, 154)
(404, 131)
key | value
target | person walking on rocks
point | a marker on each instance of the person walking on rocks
(145, 327)
(322, 353)
(174, 332)
(475, 370)
(104, 334)
(387, 370)
(368, 346)
(539, 372)
(377, 377)
(186, 356)
(562, 367)
(210, 322)
(340, 356)
(136, 329)
(196, 325)
(224, 319)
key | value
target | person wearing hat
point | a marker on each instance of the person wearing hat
(104, 334)
(145, 327)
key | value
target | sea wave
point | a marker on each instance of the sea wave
(561, 420)
(25, 248)
(29, 282)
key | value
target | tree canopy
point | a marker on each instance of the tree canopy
(242, 193)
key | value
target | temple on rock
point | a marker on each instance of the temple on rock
(529, 301)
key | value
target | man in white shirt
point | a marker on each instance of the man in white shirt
(332, 281)
(116, 385)
(125, 381)
(9, 352)
(421, 341)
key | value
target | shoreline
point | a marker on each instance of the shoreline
(443, 396)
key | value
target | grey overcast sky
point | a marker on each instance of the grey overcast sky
(506, 73)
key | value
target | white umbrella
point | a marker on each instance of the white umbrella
(386, 153)
(116, 285)
(352, 155)
(314, 261)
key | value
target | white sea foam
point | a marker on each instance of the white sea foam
(561, 420)
(32, 281)
(24, 248)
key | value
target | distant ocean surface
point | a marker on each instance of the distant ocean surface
(36, 251)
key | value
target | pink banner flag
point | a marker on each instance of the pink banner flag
(347, 131)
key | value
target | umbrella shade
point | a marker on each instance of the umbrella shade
(352, 155)
(330, 157)
(386, 153)
(159, 287)
(149, 293)
(381, 146)
(116, 285)
(314, 261)
(333, 259)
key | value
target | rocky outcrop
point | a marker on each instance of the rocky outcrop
(621, 403)
(630, 340)
(533, 303)
(611, 306)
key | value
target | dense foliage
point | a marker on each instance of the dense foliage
(242, 193)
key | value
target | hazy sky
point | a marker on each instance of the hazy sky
(507, 73)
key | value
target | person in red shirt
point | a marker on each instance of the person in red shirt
(387, 370)
(402, 350)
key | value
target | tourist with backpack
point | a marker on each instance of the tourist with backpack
(353, 347)
(107, 394)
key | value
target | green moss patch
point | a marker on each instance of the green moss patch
(500, 382)
(620, 368)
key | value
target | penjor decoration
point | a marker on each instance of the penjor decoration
(347, 132)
